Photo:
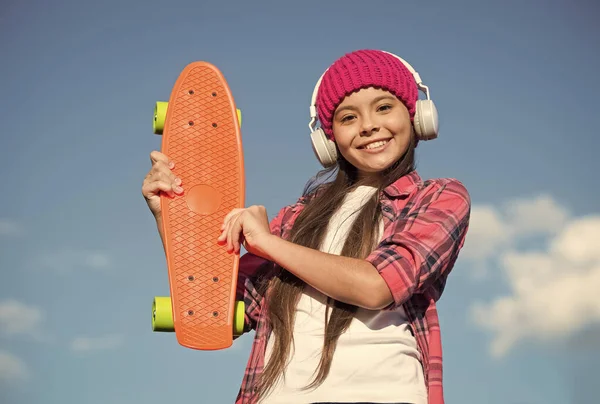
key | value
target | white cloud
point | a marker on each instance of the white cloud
(494, 230)
(553, 290)
(10, 228)
(68, 260)
(487, 233)
(12, 369)
(539, 216)
(17, 318)
(103, 343)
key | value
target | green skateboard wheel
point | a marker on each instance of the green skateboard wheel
(238, 319)
(162, 315)
(160, 114)
(239, 115)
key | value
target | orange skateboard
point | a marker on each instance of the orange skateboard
(200, 126)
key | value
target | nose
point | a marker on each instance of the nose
(368, 126)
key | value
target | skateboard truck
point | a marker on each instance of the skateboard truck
(162, 316)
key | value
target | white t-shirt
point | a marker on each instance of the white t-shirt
(376, 359)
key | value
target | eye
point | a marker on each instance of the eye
(346, 118)
(384, 107)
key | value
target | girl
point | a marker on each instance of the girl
(341, 287)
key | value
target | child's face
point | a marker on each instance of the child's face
(372, 129)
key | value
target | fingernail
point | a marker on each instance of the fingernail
(178, 181)
(171, 164)
(179, 189)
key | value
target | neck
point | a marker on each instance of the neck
(368, 179)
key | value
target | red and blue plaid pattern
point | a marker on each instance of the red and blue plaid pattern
(425, 224)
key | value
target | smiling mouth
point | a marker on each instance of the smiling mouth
(375, 145)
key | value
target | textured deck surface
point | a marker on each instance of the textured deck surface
(202, 137)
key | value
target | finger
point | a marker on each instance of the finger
(242, 242)
(239, 241)
(161, 167)
(161, 173)
(155, 187)
(234, 233)
(157, 182)
(156, 157)
(158, 187)
(225, 227)
(229, 216)
(167, 175)
(225, 234)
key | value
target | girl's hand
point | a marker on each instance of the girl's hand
(248, 227)
(160, 180)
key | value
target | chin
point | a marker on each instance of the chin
(376, 169)
(375, 165)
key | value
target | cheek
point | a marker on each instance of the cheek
(341, 137)
(344, 145)
(401, 125)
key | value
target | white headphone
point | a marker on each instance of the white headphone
(426, 122)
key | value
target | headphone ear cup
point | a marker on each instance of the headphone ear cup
(426, 120)
(324, 149)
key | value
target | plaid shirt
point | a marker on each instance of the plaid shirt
(425, 223)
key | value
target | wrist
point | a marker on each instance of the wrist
(267, 244)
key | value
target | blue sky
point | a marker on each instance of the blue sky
(516, 87)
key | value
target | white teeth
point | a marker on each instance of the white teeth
(376, 144)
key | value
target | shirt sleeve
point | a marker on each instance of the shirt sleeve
(420, 250)
(251, 267)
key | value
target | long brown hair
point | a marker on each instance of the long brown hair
(309, 229)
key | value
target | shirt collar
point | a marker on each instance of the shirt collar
(404, 185)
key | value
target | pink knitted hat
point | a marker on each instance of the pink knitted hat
(361, 69)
